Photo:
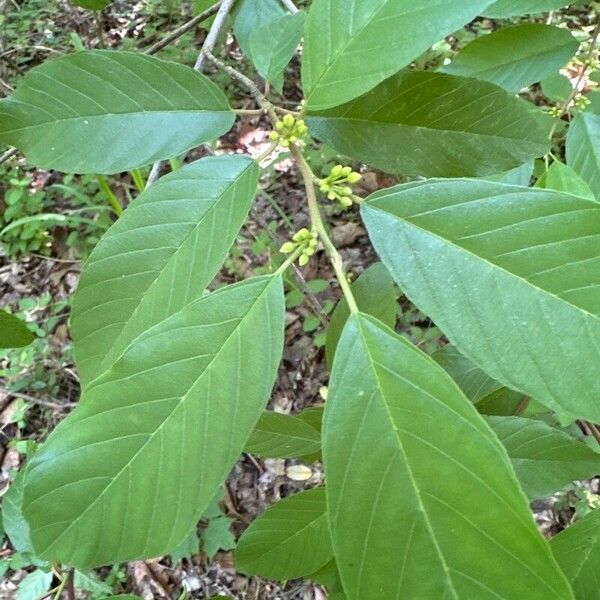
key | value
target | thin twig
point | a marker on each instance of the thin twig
(8, 155)
(48, 403)
(247, 83)
(71, 584)
(222, 9)
(290, 6)
(154, 173)
(183, 29)
(213, 33)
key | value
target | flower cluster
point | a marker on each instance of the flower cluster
(304, 239)
(336, 187)
(288, 131)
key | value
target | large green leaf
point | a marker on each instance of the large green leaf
(104, 111)
(159, 256)
(250, 15)
(545, 459)
(510, 274)
(577, 551)
(433, 124)
(563, 178)
(131, 470)
(422, 499)
(474, 383)
(289, 540)
(352, 45)
(273, 45)
(515, 57)
(283, 436)
(375, 295)
(583, 149)
(514, 8)
(13, 332)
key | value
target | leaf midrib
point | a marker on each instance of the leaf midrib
(415, 487)
(61, 121)
(167, 417)
(425, 128)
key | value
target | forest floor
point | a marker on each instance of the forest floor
(39, 385)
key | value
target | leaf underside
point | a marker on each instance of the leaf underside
(510, 274)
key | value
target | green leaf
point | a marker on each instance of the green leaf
(545, 459)
(92, 4)
(130, 471)
(557, 88)
(188, 548)
(583, 149)
(562, 178)
(289, 540)
(218, 536)
(35, 585)
(15, 525)
(104, 111)
(250, 15)
(489, 396)
(90, 582)
(507, 402)
(474, 383)
(405, 445)
(282, 436)
(351, 45)
(454, 125)
(502, 9)
(515, 57)
(577, 551)
(159, 256)
(13, 332)
(375, 295)
(273, 45)
(518, 176)
(511, 276)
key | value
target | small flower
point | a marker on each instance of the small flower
(333, 186)
(305, 240)
(288, 131)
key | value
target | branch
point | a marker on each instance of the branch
(183, 29)
(213, 34)
(290, 6)
(8, 155)
(222, 11)
(247, 83)
(48, 403)
(154, 173)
